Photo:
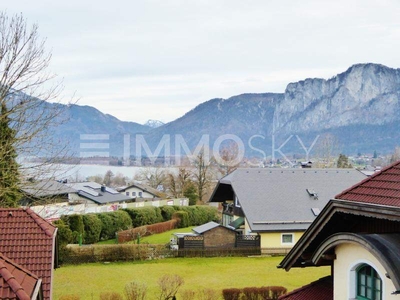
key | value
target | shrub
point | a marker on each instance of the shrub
(144, 215)
(135, 291)
(277, 291)
(110, 296)
(167, 212)
(251, 293)
(200, 214)
(64, 237)
(169, 286)
(121, 220)
(231, 294)
(92, 225)
(107, 227)
(183, 218)
(75, 223)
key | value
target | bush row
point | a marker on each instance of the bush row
(109, 253)
(91, 228)
(197, 215)
(254, 293)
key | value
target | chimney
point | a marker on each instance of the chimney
(103, 188)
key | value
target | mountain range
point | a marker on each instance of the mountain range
(360, 107)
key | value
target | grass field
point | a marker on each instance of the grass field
(90, 280)
(161, 238)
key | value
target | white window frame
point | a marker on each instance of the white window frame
(286, 243)
(352, 288)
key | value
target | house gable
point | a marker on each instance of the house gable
(367, 216)
(29, 241)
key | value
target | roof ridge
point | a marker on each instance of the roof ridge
(46, 226)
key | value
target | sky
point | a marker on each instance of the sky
(158, 59)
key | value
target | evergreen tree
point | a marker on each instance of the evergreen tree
(9, 169)
(343, 162)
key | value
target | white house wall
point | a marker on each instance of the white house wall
(348, 258)
(137, 190)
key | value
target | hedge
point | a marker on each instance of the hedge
(182, 217)
(75, 223)
(167, 212)
(92, 225)
(107, 226)
(108, 253)
(144, 215)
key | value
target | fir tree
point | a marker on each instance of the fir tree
(9, 169)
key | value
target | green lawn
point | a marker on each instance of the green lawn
(161, 238)
(89, 280)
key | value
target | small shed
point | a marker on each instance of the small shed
(216, 236)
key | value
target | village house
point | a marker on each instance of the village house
(93, 194)
(278, 204)
(357, 235)
(28, 255)
(139, 192)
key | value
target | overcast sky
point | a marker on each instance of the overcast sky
(140, 60)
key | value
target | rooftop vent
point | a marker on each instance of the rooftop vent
(312, 193)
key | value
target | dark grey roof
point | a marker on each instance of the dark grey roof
(205, 227)
(284, 199)
(46, 188)
(92, 191)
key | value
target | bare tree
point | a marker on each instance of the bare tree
(25, 87)
(202, 173)
(177, 183)
(229, 158)
(327, 150)
(135, 291)
(152, 176)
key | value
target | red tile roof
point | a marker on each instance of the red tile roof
(322, 289)
(382, 188)
(28, 240)
(17, 282)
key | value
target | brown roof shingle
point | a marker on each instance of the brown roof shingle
(382, 188)
(16, 282)
(322, 289)
(28, 240)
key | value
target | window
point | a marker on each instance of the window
(140, 194)
(287, 238)
(133, 194)
(127, 193)
(369, 284)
